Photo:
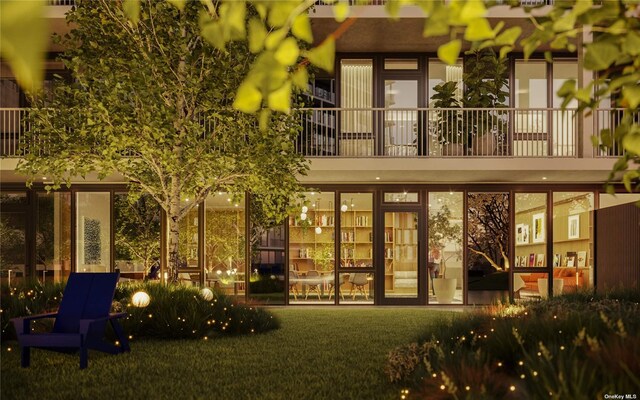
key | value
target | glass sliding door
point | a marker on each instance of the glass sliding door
(531, 131)
(53, 236)
(356, 137)
(401, 117)
(401, 272)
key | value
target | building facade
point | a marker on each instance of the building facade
(418, 193)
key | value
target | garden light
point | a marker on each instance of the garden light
(206, 294)
(140, 299)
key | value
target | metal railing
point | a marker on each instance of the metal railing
(423, 132)
(411, 132)
(13, 125)
(605, 122)
(526, 3)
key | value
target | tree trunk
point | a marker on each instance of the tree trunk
(173, 231)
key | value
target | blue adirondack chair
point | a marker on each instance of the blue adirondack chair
(80, 321)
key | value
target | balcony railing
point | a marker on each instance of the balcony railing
(342, 132)
(608, 120)
(378, 132)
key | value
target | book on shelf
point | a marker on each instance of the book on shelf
(582, 259)
(540, 260)
(571, 258)
(556, 260)
(532, 260)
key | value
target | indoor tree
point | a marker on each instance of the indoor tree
(151, 101)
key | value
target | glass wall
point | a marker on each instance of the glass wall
(268, 262)
(401, 254)
(137, 237)
(532, 286)
(530, 237)
(312, 248)
(188, 271)
(488, 247)
(53, 236)
(356, 92)
(224, 246)
(93, 232)
(444, 264)
(531, 124)
(573, 261)
(356, 248)
(445, 91)
(13, 245)
(564, 123)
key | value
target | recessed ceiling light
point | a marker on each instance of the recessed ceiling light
(544, 178)
(377, 178)
(44, 178)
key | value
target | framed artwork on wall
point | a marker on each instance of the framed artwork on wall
(538, 228)
(574, 227)
(522, 234)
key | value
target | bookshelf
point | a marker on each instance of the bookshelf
(356, 238)
(311, 242)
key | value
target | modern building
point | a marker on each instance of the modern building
(417, 195)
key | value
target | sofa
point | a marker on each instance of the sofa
(405, 279)
(567, 274)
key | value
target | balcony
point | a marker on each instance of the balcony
(414, 133)
(423, 132)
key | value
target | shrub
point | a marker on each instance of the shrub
(576, 346)
(175, 311)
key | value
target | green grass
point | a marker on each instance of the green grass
(318, 353)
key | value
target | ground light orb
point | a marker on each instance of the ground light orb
(140, 299)
(206, 294)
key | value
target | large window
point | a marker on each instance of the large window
(531, 238)
(531, 130)
(13, 248)
(356, 249)
(487, 247)
(564, 122)
(356, 93)
(188, 243)
(137, 237)
(53, 236)
(93, 232)
(224, 246)
(444, 262)
(311, 249)
(573, 261)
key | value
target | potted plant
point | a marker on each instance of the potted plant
(441, 233)
(448, 122)
(486, 84)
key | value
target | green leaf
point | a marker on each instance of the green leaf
(300, 78)
(341, 11)
(581, 7)
(288, 52)
(632, 95)
(509, 36)
(323, 56)
(472, 9)
(131, 9)
(232, 15)
(449, 52)
(211, 31)
(274, 38)
(257, 35)
(629, 177)
(631, 44)
(280, 100)
(478, 29)
(505, 50)
(567, 88)
(248, 98)
(565, 23)
(24, 49)
(600, 55)
(436, 24)
(179, 4)
(301, 28)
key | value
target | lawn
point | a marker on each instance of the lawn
(318, 353)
